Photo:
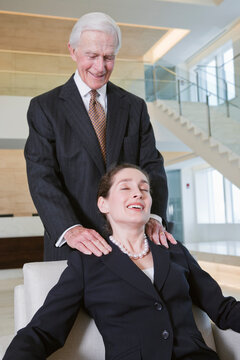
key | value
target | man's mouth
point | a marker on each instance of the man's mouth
(97, 76)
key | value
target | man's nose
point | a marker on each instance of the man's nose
(99, 64)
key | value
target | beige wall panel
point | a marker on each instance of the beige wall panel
(36, 63)
(128, 70)
(14, 194)
(7, 61)
(28, 84)
(34, 34)
(51, 35)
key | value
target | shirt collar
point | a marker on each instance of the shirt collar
(84, 89)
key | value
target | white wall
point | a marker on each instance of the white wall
(194, 232)
(13, 117)
(188, 204)
(21, 226)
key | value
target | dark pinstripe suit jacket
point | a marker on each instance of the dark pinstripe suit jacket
(64, 162)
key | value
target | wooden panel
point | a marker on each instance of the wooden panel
(36, 63)
(34, 34)
(14, 252)
(24, 84)
(50, 35)
(14, 194)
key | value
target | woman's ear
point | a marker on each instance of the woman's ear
(102, 205)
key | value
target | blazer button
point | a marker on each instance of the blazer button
(165, 334)
(158, 306)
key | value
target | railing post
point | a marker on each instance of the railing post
(208, 116)
(226, 98)
(179, 98)
(197, 82)
(154, 83)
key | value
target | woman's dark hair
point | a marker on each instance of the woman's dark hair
(107, 181)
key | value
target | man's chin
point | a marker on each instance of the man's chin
(96, 83)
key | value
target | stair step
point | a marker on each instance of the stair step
(223, 156)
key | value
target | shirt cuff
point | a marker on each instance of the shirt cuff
(61, 240)
(156, 217)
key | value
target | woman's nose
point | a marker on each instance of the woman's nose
(137, 194)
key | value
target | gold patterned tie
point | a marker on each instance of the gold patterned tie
(98, 118)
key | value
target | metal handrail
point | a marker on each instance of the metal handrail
(199, 87)
(218, 77)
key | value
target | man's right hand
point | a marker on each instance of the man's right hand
(88, 241)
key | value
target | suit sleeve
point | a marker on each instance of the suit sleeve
(51, 324)
(152, 161)
(44, 177)
(207, 294)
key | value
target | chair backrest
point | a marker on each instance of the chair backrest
(84, 341)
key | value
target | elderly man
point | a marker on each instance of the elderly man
(79, 130)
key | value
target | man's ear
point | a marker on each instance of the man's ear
(72, 52)
(102, 205)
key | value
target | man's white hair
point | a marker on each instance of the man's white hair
(95, 21)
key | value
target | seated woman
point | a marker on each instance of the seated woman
(140, 294)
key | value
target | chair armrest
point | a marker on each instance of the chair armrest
(20, 317)
(204, 326)
(4, 342)
(227, 343)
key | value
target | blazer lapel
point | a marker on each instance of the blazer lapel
(117, 117)
(123, 267)
(161, 260)
(129, 272)
(78, 117)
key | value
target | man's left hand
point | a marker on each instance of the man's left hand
(157, 233)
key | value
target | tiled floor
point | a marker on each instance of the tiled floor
(229, 247)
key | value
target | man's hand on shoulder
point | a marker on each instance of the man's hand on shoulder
(88, 241)
(157, 233)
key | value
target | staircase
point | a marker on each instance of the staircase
(192, 129)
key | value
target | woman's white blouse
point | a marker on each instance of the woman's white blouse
(149, 272)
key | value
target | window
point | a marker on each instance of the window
(229, 73)
(217, 199)
(211, 80)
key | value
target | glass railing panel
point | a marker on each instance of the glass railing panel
(207, 111)
(226, 128)
(192, 109)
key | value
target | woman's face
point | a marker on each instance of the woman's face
(129, 200)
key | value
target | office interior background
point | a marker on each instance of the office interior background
(183, 57)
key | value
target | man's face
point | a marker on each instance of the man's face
(95, 56)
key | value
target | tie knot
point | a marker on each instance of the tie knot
(93, 94)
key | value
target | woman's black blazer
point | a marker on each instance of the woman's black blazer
(138, 320)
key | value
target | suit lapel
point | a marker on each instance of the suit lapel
(117, 117)
(78, 117)
(161, 260)
(129, 272)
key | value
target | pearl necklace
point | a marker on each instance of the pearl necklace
(134, 256)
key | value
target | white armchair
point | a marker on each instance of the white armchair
(84, 341)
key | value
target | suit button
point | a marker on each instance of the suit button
(165, 334)
(158, 306)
